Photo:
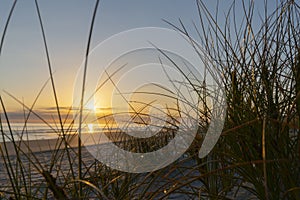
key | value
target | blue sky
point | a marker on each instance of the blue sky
(23, 67)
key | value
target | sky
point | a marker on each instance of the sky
(23, 66)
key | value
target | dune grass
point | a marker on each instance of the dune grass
(258, 154)
(260, 74)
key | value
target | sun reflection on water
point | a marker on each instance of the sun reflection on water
(90, 128)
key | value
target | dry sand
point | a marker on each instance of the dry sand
(42, 150)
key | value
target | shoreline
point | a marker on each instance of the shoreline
(43, 145)
(38, 145)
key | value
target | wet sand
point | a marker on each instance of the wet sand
(42, 145)
(33, 146)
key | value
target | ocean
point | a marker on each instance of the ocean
(39, 131)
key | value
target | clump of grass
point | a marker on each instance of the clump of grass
(259, 70)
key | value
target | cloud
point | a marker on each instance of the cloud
(20, 116)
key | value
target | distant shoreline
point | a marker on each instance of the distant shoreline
(39, 145)
(43, 145)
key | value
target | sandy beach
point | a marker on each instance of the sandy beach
(41, 145)
(28, 146)
(43, 151)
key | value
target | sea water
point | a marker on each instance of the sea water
(39, 131)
